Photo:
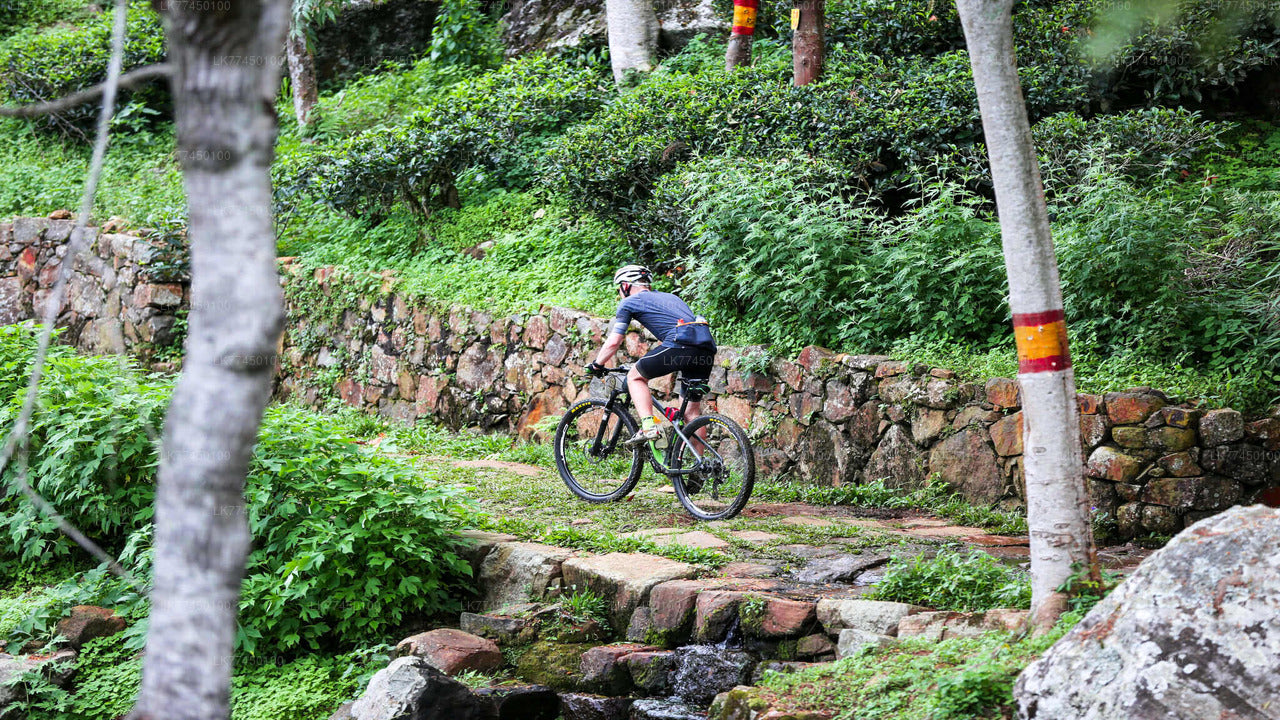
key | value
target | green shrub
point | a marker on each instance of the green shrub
(1150, 51)
(51, 64)
(1152, 145)
(346, 543)
(954, 580)
(870, 115)
(17, 16)
(778, 254)
(495, 122)
(91, 452)
(323, 512)
(463, 35)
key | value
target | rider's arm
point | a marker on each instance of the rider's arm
(617, 333)
(610, 347)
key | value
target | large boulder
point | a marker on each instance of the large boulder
(966, 462)
(625, 579)
(897, 460)
(453, 651)
(1193, 633)
(514, 573)
(410, 689)
(88, 622)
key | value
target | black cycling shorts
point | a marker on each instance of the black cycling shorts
(694, 363)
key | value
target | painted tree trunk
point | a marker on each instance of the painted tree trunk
(226, 131)
(808, 47)
(742, 33)
(302, 76)
(1057, 498)
(633, 36)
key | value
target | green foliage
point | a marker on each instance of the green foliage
(91, 451)
(346, 543)
(463, 35)
(494, 123)
(108, 673)
(542, 253)
(140, 178)
(870, 114)
(954, 580)
(782, 256)
(1156, 51)
(584, 605)
(18, 16)
(917, 679)
(323, 511)
(1084, 591)
(380, 99)
(48, 65)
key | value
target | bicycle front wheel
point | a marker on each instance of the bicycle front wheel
(590, 455)
(721, 483)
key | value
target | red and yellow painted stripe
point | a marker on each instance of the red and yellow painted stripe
(1042, 341)
(744, 16)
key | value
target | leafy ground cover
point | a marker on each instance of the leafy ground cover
(916, 679)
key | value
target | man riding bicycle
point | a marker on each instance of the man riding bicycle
(686, 345)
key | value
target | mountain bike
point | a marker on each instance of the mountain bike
(709, 459)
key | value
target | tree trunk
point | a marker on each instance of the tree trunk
(633, 36)
(1057, 498)
(807, 46)
(742, 34)
(302, 76)
(225, 80)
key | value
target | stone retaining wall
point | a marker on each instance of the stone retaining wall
(114, 302)
(1154, 465)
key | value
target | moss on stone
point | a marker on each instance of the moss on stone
(556, 665)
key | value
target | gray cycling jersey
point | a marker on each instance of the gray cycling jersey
(658, 312)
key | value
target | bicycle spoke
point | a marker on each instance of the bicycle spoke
(720, 483)
(590, 455)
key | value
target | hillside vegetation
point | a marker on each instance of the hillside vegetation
(854, 213)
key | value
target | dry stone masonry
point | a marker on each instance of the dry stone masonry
(1154, 465)
(118, 299)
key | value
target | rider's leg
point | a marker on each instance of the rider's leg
(693, 410)
(640, 394)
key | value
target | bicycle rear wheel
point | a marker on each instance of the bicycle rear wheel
(722, 484)
(590, 455)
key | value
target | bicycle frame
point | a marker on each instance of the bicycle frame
(663, 467)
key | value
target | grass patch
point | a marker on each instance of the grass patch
(916, 679)
(935, 497)
(952, 580)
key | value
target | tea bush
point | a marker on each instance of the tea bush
(50, 64)
(1200, 50)
(495, 122)
(875, 116)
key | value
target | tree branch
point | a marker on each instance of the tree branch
(127, 80)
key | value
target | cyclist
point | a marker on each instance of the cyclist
(686, 344)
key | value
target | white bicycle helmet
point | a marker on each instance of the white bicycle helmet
(638, 274)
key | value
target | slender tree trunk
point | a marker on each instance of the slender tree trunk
(633, 36)
(808, 49)
(226, 76)
(1057, 498)
(302, 76)
(742, 34)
